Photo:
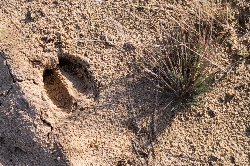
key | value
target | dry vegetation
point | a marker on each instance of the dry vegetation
(190, 43)
(184, 60)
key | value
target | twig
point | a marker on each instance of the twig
(153, 149)
(154, 115)
(134, 147)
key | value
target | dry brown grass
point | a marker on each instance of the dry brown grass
(213, 28)
(185, 34)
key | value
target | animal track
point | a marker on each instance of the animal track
(69, 73)
(77, 73)
(56, 90)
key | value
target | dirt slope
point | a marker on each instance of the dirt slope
(72, 92)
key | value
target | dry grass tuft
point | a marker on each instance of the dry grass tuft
(184, 58)
(177, 69)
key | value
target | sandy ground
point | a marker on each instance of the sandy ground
(84, 57)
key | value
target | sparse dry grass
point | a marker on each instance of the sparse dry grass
(199, 30)
(184, 54)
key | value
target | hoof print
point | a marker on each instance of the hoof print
(76, 71)
(56, 90)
